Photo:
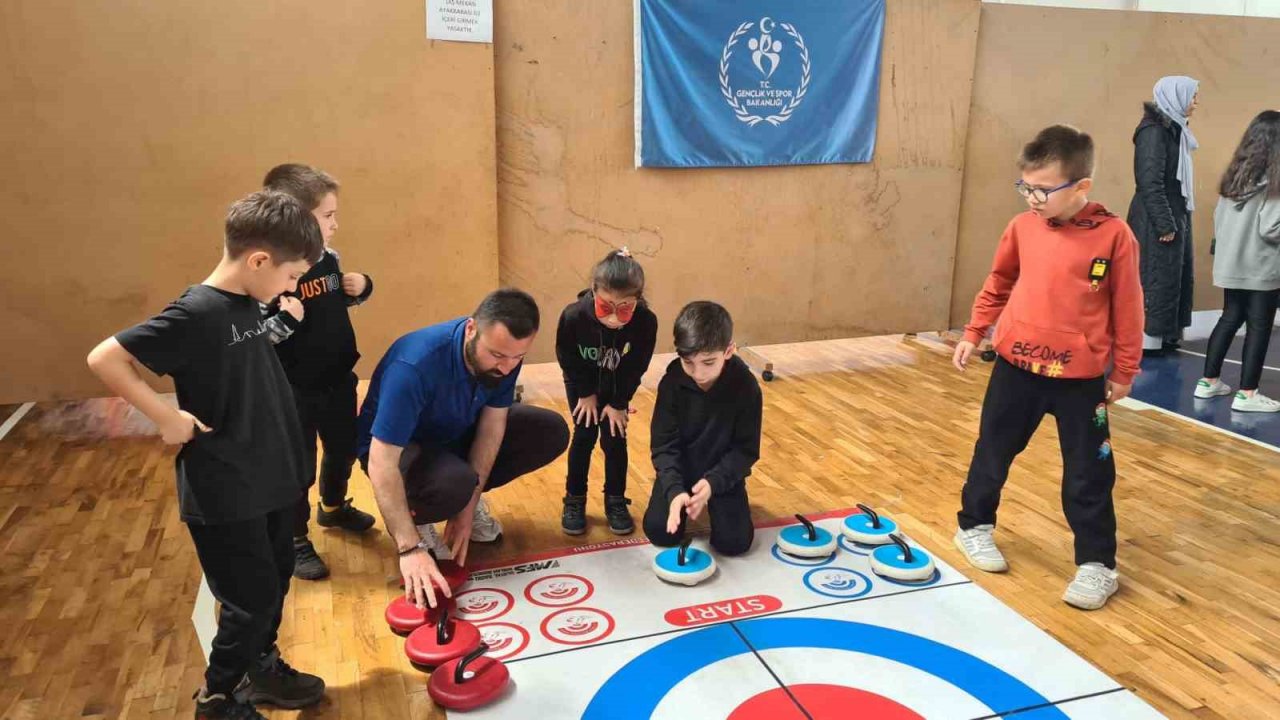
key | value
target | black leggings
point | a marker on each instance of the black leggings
(1256, 310)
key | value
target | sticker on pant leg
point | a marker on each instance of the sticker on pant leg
(1100, 416)
(1104, 451)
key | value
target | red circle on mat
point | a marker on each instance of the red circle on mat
(481, 604)
(577, 626)
(559, 590)
(824, 702)
(505, 640)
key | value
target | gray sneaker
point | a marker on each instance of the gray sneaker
(979, 548)
(1093, 585)
(428, 533)
(484, 527)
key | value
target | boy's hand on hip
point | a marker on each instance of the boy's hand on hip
(960, 358)
(354, 284)
(182, 428)
(293, 306)
(1117, 392)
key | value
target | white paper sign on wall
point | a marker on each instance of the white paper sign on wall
(460, 20)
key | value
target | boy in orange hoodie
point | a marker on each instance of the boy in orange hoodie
(1065, 287)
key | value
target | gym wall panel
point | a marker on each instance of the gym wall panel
(128, 128)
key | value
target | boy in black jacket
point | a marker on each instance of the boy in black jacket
(317, 346)
(604, 344)
(705, 436)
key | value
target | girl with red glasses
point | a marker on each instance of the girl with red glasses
(604, 343)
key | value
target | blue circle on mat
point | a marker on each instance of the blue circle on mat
(855, 547)
(635, 690)
(802, 562)
(797, 535)
(891, 555)
(837, 582)
(695, 560)
(862, 523)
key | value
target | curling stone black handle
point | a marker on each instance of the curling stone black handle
(684, 548)
(907, 555)
(808, 526)
(444, 633)
(875, 517)
(459, 673)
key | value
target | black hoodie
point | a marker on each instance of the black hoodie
(713, 434)
(599, 361)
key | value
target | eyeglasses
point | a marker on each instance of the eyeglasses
(624, 310)
(1040, 195)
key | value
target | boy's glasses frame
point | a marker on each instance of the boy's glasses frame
(1040, 195)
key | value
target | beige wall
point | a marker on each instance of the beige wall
(1094, 69)
(127, 129)
(795, 253)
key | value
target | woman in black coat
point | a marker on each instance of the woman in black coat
(1160, 213)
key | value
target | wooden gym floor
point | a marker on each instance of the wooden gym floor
(97, 575)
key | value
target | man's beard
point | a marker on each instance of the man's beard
(489, 379)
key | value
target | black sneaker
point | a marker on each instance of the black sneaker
(615, 510)
(345, 517)
(272, 682)
(574, 518)
(218, 706)
(307, 565)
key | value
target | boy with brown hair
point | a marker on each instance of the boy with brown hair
(240, 469)
(1065, 287)
(312, 332)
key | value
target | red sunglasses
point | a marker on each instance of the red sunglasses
(623, 310)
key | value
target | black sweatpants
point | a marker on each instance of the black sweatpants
(730, 515)
(584, 442)
(248, 565)
(330, 413)
(439, 480)
(1016, 402)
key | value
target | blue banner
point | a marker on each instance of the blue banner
(757, 82)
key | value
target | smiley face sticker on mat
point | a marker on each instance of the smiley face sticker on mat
(481, 604)
(559, 590)
(577, 626)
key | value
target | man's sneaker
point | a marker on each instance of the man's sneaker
(1206, 389)
(428, 533)
(1093, 585)
(272, 682)
(573, 520)
(1257, 402)
(980, 549)
(307, 565)
(218, 706)
(484, 527)
(345, 517)
(615, 510)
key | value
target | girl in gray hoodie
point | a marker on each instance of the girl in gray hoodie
(1246, 262)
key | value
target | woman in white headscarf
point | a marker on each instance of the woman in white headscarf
(1160, 213)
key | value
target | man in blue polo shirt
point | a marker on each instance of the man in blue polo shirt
(438, 429)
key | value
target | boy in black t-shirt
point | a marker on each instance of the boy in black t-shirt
(240, 469)
(317, 347)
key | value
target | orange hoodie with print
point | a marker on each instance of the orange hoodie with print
(1067, 295)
